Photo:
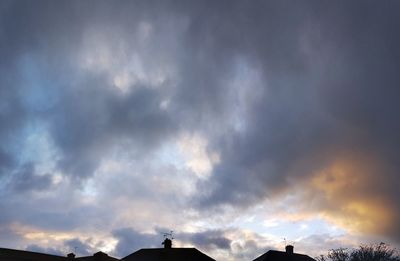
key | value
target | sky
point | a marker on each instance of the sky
(240, 125)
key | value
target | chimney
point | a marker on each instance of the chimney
(167, 243)
(71, 255)
(289, 249)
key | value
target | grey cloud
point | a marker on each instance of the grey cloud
(130, 240)
(8, 236)
(107, 118)
(328, 78)
(329, 87)
(25, 179)
(78, 247)
(75, 245)
(318, 244)
(248, 250)
(46, 250)
(6, 162)
(53, 216)
(209, 239)
(83, 111)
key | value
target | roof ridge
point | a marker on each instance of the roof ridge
(28, 251)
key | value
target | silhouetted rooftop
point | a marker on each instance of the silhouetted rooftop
(274, 255)
(165, 254)
(13, 254)
(22, 255)
(99, 256)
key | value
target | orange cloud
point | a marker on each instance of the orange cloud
(348, 195)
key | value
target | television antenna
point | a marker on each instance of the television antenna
(168, 235)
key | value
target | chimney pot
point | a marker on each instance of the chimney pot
(167, 243)
(289, 249)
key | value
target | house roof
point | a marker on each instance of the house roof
(274, 255)
(21, 255)
(7, 254)
(99, 256)
(167, 254)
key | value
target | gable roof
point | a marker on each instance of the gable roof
(273, 255)
(166, 254)
(7, 254)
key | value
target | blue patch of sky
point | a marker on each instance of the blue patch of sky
(31, 143)
(290, 230)
(34, 143)
(170, 153)
(38, 91)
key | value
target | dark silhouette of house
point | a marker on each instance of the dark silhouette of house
(150, 254)
(288, 255)
(154, 254)
(99, 256)
(21, 255)
(168, 254)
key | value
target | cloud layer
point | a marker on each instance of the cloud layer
(119, 118)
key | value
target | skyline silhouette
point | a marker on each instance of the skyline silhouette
(148, 254)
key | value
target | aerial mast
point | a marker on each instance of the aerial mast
(168, 237)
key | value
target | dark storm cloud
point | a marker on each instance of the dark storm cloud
(80, 109)
(328, 80)
(12, 115)
(6, 161)
(135, 118)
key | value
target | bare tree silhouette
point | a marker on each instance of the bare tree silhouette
(372, 252)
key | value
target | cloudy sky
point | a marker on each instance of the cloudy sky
(236, 124)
